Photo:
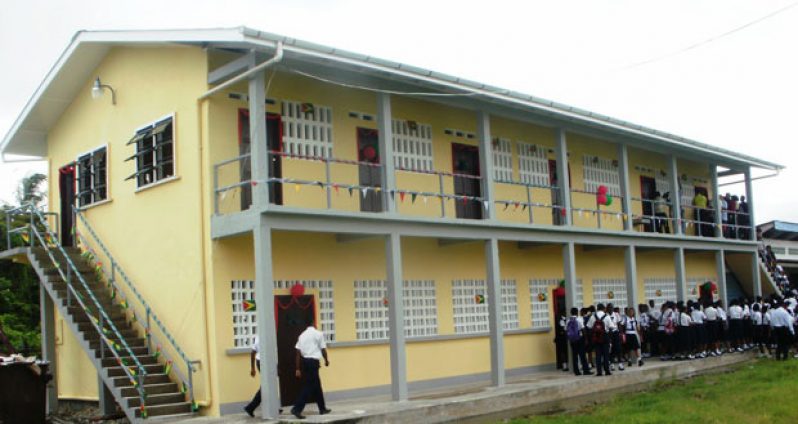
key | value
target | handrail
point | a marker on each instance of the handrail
(150, 314)
(98, 324)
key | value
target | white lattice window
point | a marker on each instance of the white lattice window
(307, 129)
(694, 283)
(610, 290)
(509, 305)
(601, 171)
(688, 192)
(579, 300)
(371, 309)
(245, 323)
(660, 290)
(421, 312)
(663, 183)
(533, 164)
(470, 304)
(502, 159)
(412, 145)
(325, 302)
(539, 301)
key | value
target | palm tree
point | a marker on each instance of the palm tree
(30, 189)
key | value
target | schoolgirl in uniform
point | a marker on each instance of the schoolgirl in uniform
(616, 348)
(759, 329)
(632, 330)
(683, 347)
(665, 336)
(699, 331)
(748, 326)
(723, 333)
(735, 326)
(712, 328)
(645, 344)
(586, 313)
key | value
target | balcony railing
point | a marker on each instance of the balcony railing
(417, 190)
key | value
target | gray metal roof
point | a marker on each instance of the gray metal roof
(89, 47)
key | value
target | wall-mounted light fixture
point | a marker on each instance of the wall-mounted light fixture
(97, 90)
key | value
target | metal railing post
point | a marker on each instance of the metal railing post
(529, 203)
(598, 213)
(443, 199)
(327, 181)
(190, 370)
(147, 329)
(102, 347)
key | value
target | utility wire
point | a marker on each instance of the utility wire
(711, 39)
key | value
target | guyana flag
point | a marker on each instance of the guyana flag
(479, 299)
(249, 305)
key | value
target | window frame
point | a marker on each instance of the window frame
(154, 159)
(92, 191)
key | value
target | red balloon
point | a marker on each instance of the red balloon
(297, 290)
(602, 189)
(601, 199)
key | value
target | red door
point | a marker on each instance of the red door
(293, 315)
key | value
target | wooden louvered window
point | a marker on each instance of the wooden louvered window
(91, 174)
(154, 155)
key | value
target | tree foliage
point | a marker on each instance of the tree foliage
(19, 285)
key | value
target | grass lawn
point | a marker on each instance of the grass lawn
(757, 392)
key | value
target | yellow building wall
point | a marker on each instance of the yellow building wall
(155, 233)
(75, 376)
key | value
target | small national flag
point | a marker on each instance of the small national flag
(132, 371)
(168, 367)
(479, 299)
(157, 352)
(401, 196)
(308, 108)
(183, 388)
(194, 407)
(124, 304)
(249, 305)
(413, 197)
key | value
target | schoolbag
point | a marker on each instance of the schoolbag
(670, 325)
(599, 330)
(572, 330)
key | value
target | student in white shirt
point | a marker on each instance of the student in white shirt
(575, 333)
(310, 349)
(736, 325)
(683, 347)
(654, 339)
(667, 325)
(782, 323)
(601, 340)
(699, 331)
(616, 345)
(712, 327)
(632, 332)
(759, 327)
(723, 339)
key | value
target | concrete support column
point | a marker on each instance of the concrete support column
(486, 164)
(267, 330)
(720, 265)
(749, 197)
(107, 402)
(495, 323)
(385, 138)
(259, 146)
(681, 275)
(626, 201)
(569, 274)
(676, 197)
(47, 314)
(563, 182)
(713, 171)
(630, 260)
(396, 316)
(757, 278)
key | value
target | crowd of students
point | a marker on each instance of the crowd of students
(606, 338)
(734, 215)
(776, 271)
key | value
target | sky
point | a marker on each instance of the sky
(723, 72)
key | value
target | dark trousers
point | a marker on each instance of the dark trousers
(311, 386)
(255, 402)
(578, 355)
(602, 357)
(783, 339)
(617, 349)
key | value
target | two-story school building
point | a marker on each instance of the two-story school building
(233, 183)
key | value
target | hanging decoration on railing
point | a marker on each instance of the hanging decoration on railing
(168, 367)
(157, 352)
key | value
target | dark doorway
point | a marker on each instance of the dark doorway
(557, 214)
(558, 299)
(648, 186)
(293, 315)
(705, 217)
(465, 161)
(66, 190)
(560, 337)
(274, 137)
(368, 151)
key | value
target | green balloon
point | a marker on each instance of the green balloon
(609, 200)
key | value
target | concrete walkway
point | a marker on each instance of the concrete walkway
(541, 392)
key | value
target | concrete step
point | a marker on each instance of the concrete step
(133, 343)
(137, 351)
(117, 371)
(151, 389)
(144, 359)
(61, 285)
(43, 256)
(148, 379)
(49, 269)
(88, 326)
(128, 334)
(114, 313)
(166, 409)
(159, 399)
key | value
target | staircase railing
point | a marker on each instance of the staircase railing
(141, 309)
(102, 323)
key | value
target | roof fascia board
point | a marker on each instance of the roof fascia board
(219, 35)
(333, 55)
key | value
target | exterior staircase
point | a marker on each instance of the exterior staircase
(118, 341)
(740, 264)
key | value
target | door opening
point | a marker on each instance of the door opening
(465, 161)
(368, 151)
(274, 138)
(648, 188)
(293, 315)
(66, 191)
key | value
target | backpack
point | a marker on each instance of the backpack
(572, 330)
(599, 330)
(670, 325)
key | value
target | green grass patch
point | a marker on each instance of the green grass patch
(756, 392)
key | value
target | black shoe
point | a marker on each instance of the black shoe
(608, 373)
(297, 414)
(577, 374)
(326, 411)
(599, 375)
(587, 373)
(250, 412)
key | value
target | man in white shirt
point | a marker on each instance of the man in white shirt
(254, 359)
(600, 338)
(310, 349)
(781, 321)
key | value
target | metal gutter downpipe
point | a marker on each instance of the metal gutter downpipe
(278, 56)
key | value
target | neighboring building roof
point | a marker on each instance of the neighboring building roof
(73, 68)
(779, 230)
